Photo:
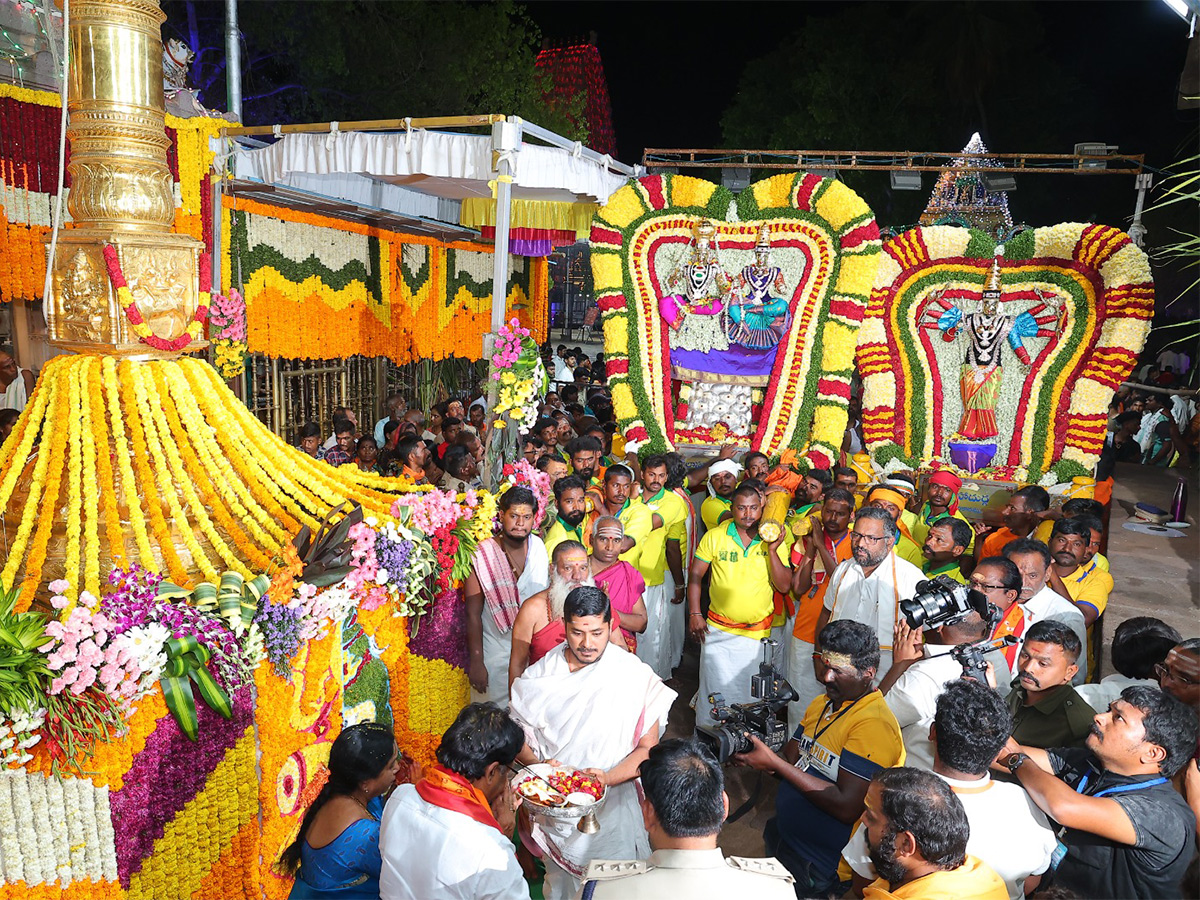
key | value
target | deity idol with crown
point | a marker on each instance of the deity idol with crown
(699, 290)
(982, 371)
(758, 320)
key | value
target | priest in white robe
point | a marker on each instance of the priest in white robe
(590, 706)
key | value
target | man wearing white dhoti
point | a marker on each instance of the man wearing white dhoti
(599, 710)
(505, 571)
(746, 572)
(868, 587)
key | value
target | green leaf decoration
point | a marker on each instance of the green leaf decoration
(177, 691)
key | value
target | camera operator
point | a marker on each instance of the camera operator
(920, 673)
(845, 738)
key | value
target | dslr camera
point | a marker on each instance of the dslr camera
(944, 601)
(733, 723)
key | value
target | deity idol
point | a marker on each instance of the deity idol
(759, 320)
(695, 314)
(982, 370)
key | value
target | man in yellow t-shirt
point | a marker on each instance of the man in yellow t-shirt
(636, 518)
(847, 736)
(571, 521)
(654, 646)
(722, 481)
(892, 502)
(917, 833)
(746, 572)
(1087, 586)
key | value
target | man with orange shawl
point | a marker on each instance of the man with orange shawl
(441, 836)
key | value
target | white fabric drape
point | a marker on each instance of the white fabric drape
(546, 173)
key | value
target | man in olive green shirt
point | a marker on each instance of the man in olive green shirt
(1045, 708)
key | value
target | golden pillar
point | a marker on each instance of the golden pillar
(122, 192)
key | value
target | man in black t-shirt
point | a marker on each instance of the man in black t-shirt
(1126, 831)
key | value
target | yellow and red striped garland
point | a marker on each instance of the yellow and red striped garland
(805, 407)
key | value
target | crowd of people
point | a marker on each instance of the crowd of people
(902, 776)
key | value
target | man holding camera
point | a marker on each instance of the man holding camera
(869, 587)
(683, 809)
(845, 739)
(746, 572)
(920, 673)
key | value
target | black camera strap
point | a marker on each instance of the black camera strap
(750, 803)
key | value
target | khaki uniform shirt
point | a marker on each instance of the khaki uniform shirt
(690, 874)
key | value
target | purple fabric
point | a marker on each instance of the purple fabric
(166, 775)
(734, 361)
(529, 247)
(442, 632)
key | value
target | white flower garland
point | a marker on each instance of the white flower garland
(54, 830)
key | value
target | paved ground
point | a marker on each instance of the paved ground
(1155, 576)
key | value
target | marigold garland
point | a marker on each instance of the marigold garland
(1100, 294)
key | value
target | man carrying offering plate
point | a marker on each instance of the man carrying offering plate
(598, 710)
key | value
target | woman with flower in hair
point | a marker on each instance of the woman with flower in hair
(336, 853)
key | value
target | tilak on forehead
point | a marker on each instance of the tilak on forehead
(837, 660)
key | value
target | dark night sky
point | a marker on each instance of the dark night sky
(673, 67)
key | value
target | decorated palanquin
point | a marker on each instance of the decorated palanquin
(1001, 359)
(733, 319)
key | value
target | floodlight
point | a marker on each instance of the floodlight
(996, 182)
(1093, 148)
(736, 179)
(824, 173)
(903, 180)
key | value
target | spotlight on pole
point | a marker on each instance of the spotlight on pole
(1093, 148)
(903, 180)
(996, 182)
(736, 179)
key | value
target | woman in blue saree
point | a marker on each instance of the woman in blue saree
(336, 854)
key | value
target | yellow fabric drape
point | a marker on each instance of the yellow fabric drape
(546, 215)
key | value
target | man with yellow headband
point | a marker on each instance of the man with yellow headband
(892, 502)
(746, 572)
(943, 501)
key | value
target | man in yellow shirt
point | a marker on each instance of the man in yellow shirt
(746, 572)
(722, 481)
(654, 647)
(636, 518)
(571, 521)
(917, 833)
(847, 736)
(1087, 586)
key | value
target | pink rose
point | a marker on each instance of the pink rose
(57, 685)
(59, 585)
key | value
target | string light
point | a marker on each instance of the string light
(960, 198)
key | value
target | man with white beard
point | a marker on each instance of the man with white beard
(597, 709)
(538, 628)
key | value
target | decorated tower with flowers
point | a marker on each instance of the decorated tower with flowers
(190, 609)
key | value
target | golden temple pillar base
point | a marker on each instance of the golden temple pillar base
(163, 274)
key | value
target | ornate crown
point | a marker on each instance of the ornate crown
(704, 229)
(992, 284)
(764, 237)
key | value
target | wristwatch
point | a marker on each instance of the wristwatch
(1014, 761)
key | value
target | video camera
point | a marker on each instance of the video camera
(944, 601)
(734, 723)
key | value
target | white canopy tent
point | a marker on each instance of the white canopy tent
(401, 167)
